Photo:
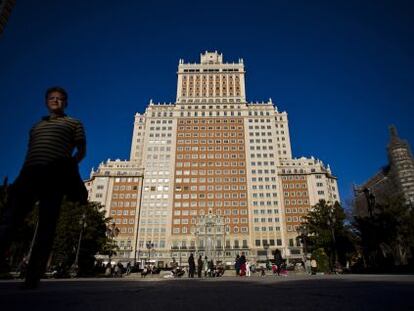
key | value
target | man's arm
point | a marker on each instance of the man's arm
(80, 152)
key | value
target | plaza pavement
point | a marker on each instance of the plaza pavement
(294, 292)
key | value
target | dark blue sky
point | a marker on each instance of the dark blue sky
(343, 70)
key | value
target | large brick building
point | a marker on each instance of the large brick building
(212, 173)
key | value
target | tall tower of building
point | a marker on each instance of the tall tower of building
(213, 179)
(394, 180)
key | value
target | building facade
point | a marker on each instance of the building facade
(213, 155)
(394, 180)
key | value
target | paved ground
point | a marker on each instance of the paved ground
(343, 292)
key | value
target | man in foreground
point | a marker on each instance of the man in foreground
(50, 172)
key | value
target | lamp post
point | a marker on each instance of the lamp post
(112, 232)
(331, 224)
(150, 246)
(83, 225)
(303, 234)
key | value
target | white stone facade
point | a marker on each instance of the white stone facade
(212, 151)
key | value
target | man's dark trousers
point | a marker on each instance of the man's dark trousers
(47, 185)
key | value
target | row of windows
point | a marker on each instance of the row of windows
(297, 210)
(218, 212)
(126, 179)
(163, 128)
(163, 121)
(153, 221)
(264, 187)
(294, 202)
(259, 120)
(124, 196)
(210, 128)
(210, 100)
(298, 194)
(261, 179)
(210, 188)
(264, 211)
(157, 244)
(263, 141)
(265, 203)
(210, 196)
(160, 135)
(269, 219)
(265, 163)
(208, 121)
(211, 172)
(261, 134)
(211, 134)
(209, 204)
(271, 242)
(186, 221)
(123, 204)
(263, 171)
(203, 164)
(293, 186)
(209, 141)
(261, 147)
(264, 229)
(161, 149)
(263, 195)
(152, 230)
(294, 177)
(119, 221)
(164, 114)
(294, 219)
(177, 230)
(209, 180)
(123, 212)
(225, 148)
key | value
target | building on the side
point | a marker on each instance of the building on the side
(395, 180)
(117, 186)
(304, 182)
(6, 7)
(213, 168)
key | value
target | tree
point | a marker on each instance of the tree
(386, 237)
(69, 227)
(324, 228)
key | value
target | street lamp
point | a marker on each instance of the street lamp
(331, 224)
(303, 235)
(150, 246)
(83, 225)
(112, 232)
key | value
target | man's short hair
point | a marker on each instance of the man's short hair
(59, 89)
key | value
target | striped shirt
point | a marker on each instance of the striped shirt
(53, 139)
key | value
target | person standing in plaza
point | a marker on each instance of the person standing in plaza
(50, 172)
(242, 261)
(278, 260)
(205, 266)
(191, 266)
(237, 265)
(199, 266)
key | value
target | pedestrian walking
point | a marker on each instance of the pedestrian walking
(191, 266)
(199, 266)
(50, 171)
(248, 272)
(237, 265)
(242, 261)
(205, 266)
(278, 261)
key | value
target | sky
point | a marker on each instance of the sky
(342, 70)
